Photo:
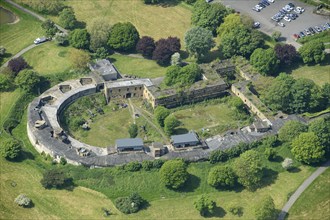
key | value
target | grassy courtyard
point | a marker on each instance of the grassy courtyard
(314, 202)
(15, 37)
(319, 73)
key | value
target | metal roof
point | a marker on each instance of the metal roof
(184, 138)
(129, 142)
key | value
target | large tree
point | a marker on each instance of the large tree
(17, 64)
(79, 38)
(164, 49)
(286, 53)
(67, 18)
(290, 130)
(79, 59)
(230, 22)
(240, 41)
(123, 37)
(5, 82)
(321, 128)
(10, 149)
(221, 176)
(170, 123)
(265, 210)
(55, 179)
(49, 27)
(52, 7)
(27, 80)
(204, 205)
(208, 16)
(248, 169)
(307, 148)
(265, 61)
(312, 52)
(173, 174)
(99, 30)
(146, 46)
(199, 41)
(160, 114)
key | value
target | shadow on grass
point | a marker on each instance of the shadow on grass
(294, 170)
(80, 25)
(277, 159)
(217, 212)
(181, 131)
(169, 3)
(24, 155)
(269, 177)
(191, 185)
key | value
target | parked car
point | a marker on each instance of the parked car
(295, 36)
(286, 18)
(291, 5)
(301, 34)
(272, 1)
(327, 25)
(311, 30)
(318, 29)
(281, 24)
(256, 24)
(307, 32)
(208, 1)
(40, 40)
(324, 27)
(299, 10)
(265, 2)
(256, 9)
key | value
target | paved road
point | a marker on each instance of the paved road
(21, 53)
(33, 14)
(301, 189)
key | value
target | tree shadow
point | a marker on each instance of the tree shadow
(294, 170)
(30, 206)
(145, 205)
(269, 177)
(211, 56)
(24, 155)
(277, 159)
(191, 185)
(169, 3)
(80, 25)
(181, 131)
(217, 212)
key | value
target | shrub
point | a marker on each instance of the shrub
(133, 130)
(287, 163)
(5, 83)
(55, 179)
(23, 200)
(173, 174)
(204, 205)
(63, 161)
(270, 153)
(170, 123)
(236, 210)
(133, 166)
(147, 165)
(17, 64)
(130, 204)
(266, 209)
(158, 163)
(218, 156)
(11, 149)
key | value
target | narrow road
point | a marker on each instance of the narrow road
(301, 189)
(21, 52)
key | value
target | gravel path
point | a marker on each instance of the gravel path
(301, 189)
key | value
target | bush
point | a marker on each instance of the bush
(236, 210)
(173, 174)
(270, 153)
(160, 114)
(218, 156)
(266, 209)
(133, 130)
(11, 149)
(204, 205)
(5, 83)
(287, 163)
(221, 176)
(147, 165)
(55, 179)
(17, 64)
(158, 163)
(23, 200)
(63, 161)
(130, 204)
(133, 166)
(170, 123)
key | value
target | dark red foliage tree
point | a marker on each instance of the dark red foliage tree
(145, 46)
(17, 64)
(286, 53)
(165, 48)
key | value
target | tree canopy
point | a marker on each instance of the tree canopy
(164, 49)
(265, 61)
(67, 18)
(17, 64)
(52, 7)
(99, 30)
(221, 176)
(160, 114)
(286, 53)
(170, 123)
(79, 38)
(123, 37)
(312, 52)
(49, 27)
(248, 169)
(55, 179)
(307, 148)
(10, 149)
(146, 46)
(199, 41)
(27, 80)
(290, 130)
(265, 210)
(183, 76)
(321, 128)
(204, 205)
(173, 174)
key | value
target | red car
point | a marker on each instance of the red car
(295, 36)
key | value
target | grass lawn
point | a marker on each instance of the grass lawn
(314, 203)
(7, 100)
(142, 68)
(215, 117)
(15, 37)
(320, 74)
(49, 58)
(150, 20)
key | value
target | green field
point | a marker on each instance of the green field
(314, 203)
(49, 58)
(15, 37)
(142, 68)
(150, 20)
(320, 74)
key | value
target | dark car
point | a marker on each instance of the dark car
(301, 34)
(311, 30)
(265, 2)
(262, 5)
(291, 5)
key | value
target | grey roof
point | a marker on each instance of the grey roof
(129, 142)
(104, 67)
(184, 138)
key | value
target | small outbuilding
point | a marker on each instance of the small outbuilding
(105, 69)
(185, 140)
(129, 144)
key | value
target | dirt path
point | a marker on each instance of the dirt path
(301, 189)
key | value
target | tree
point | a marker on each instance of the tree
(248, 169)
(208, 16)
(230, 22)
(17, 64)
(321, 128)
(147, 165)
(287, 163)
(312, 52)
(176, 59)
(183, 76)
(79, 38)
(164, 49)
(286, 53)
(266, 209)
(146, 46)
(49, 28)
(240, 41)
(67, 18)
(173, 174)
(55, 179)
(221, 176)
(5, 83)
(199, 41)
(79, 59)
(170, 123)
(218, 156)
(27, 80)
(270, 153)
(99, 30)
(160, 114)
(290, 130)
(23, 200)
(61, 39)
(11, 149)
(265, 61)
(307, 148)
(52, 7)
(204, 205)
(236, 210)
(123, 37)
(133, 130)
(130, 204)
(101, 53)
(276, 35)
(2, 51)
